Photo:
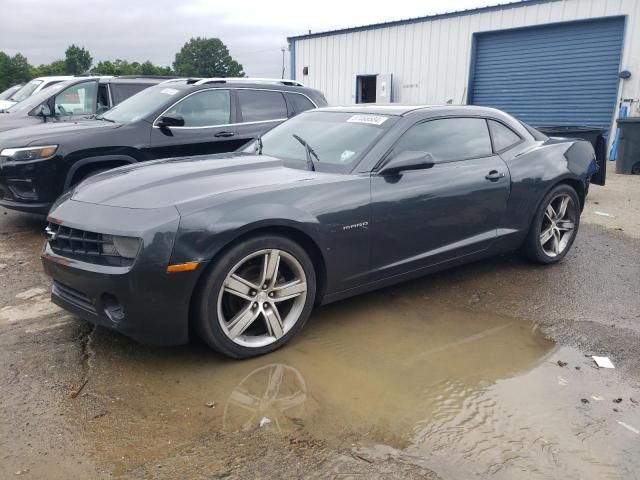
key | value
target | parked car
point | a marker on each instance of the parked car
(175, 118)
(332, 203)
(72, 100)
(6, 94)
(30, 88)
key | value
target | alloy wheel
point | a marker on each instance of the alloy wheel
(558, 225)
(262, 298)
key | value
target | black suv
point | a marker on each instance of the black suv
(178, 117)
(74, 99)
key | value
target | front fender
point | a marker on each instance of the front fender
(95, 160)
(204, 234)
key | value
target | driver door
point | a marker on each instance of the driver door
(421, 218)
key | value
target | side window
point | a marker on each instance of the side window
(260, 105)
(503, 137)
(103, 99)
(300, 103)
(448, 139)
(122, 91)
(205, 109)
(78, 99)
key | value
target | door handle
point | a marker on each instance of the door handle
(224, 134)
(494, 175)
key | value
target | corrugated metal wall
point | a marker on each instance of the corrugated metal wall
(430, 60)
(553, 74)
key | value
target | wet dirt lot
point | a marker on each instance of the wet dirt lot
(479, 372)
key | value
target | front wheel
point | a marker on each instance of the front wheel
(554, 227)
(256, 297)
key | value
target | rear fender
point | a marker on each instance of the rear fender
(535, 172)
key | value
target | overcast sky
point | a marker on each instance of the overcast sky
(139, 30)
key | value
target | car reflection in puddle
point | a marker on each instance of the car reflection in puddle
(388, 374)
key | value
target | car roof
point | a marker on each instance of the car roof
(374, 109)
(152, 80)
(263, 83)
(404, 110)
(54, 77)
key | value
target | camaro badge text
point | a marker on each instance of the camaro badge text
(355, 225)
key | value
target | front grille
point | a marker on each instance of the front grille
(73, 297)
(84, 245)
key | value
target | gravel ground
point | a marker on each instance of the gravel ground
(79, 402)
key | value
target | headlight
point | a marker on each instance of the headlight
(29, 153)
(126, 247)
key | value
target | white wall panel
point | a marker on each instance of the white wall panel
(430, 60)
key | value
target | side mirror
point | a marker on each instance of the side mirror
(170, 120)
(407, 160)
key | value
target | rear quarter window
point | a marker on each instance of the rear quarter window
(299, 102)
(503, 137)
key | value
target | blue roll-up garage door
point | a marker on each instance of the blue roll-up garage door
(563, 74)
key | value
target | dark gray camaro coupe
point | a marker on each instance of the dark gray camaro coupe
(329, 204)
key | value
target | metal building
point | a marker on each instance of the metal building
(549, 62)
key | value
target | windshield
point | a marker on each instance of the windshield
(338, 140)
(38, 98)
(143, 104)
(6, 94)
(26, 91)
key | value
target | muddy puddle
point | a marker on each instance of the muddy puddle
(389, 375)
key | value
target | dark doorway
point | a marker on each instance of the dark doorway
(366, 89)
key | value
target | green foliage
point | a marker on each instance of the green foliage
(206, 57)
(200, 57)
(122, 67)
(77, 60)
(13, 70)
(58, 67)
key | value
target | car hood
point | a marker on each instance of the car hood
(177, 182)
(6, 104)
(9, 121)
(49, 132)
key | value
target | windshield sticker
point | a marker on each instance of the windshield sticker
(346, 155)
(169, 91)
(369, 119)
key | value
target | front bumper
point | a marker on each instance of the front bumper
(30, 186)
(142, 301)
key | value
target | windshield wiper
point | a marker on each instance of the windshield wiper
(106, 119)
(310, 152)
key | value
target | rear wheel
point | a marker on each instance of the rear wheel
(256, 297)
(554, 227)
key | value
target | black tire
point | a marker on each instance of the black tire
(207, 322)
(532, 248)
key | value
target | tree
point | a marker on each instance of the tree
(77, 60)
(206, 57)
(57, 67)
(14, 70)
(122, 67)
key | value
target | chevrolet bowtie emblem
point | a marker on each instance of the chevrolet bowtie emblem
(51, 235)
